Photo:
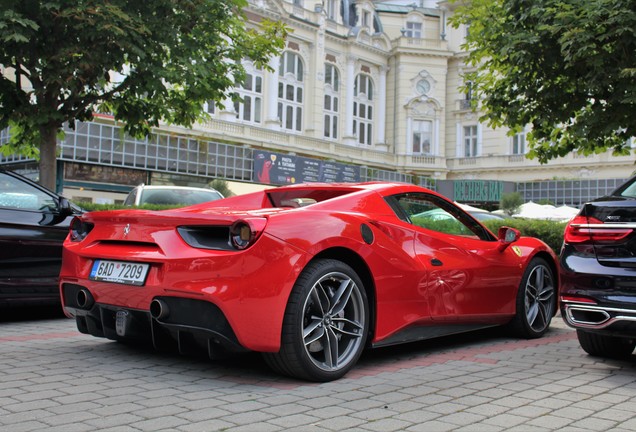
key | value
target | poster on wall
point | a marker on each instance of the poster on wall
(281, 169)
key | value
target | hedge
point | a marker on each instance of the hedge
(550, 232)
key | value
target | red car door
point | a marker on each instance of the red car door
(469, 278)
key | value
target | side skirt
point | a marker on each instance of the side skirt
(414, 334)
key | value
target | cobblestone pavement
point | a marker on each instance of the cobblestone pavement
(53, 378)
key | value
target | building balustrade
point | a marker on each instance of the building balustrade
(502, 162)
(421, 43)
(255, 136)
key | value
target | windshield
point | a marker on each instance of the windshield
(178, 196)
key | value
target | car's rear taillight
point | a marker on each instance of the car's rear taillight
(577, 299)
(584, 229)
(245, 232)
(79, 229)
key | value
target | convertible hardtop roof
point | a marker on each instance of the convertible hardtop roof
(308, 193)
(377, 186)
(304, 194)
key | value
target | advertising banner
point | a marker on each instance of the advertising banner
(280, 169)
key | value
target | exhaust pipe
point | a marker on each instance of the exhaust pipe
(586, 316)
(84, 299)
(159, 309)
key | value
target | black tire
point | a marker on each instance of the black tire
(326, 323)
(536, 301)
(598, 345)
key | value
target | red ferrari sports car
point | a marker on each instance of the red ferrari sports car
(309, 275)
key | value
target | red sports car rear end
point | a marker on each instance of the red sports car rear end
(309, 275)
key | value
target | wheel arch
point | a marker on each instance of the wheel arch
(358, 264)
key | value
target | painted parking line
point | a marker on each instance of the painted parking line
(474, 355)
(464, 354)
(467, 354)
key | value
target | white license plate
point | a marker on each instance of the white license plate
(122, 272)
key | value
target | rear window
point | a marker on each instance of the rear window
(627, 190)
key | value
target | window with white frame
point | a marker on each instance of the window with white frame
(422, 137)
(471, 141)
(290, 91)
(332, 101)
(413, 30)
(331, 9)
(210, 108)
(519, 143)
(366, 19)
(363, 109)
(251, 92)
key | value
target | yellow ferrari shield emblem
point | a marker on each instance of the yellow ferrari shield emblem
(517, 250)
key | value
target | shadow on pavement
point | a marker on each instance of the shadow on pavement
(30, 313)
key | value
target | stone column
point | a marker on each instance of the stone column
(271, 94)
(349, 138)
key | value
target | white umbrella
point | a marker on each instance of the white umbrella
(469, 208)
(532, 210)
(565, 212)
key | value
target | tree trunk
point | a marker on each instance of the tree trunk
(48, 157)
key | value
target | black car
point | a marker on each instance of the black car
(33, 224)
(598, 274)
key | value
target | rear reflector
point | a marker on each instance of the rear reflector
(573, 299)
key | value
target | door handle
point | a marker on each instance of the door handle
(436, 263)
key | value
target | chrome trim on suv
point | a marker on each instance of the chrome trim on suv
(595, 317)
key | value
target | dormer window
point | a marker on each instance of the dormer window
(331, 9)
(366, 19)
(413, 30)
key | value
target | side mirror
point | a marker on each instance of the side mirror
(507, 236)
(64, 208)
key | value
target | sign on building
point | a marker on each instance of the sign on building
(279, 169)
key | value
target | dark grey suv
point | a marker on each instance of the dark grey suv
(598, 274)
(33, 224)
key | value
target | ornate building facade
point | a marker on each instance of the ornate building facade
(373, 85)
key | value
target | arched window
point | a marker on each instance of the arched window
(249, 110)
(290, 91)
(332, 101)
(363, 109)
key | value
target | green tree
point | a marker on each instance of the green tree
(143, 61)
(222, 186)
(565, 67)
(510, 202)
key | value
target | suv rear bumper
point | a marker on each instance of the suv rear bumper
(594, 317)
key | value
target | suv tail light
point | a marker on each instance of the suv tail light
(584, 229)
